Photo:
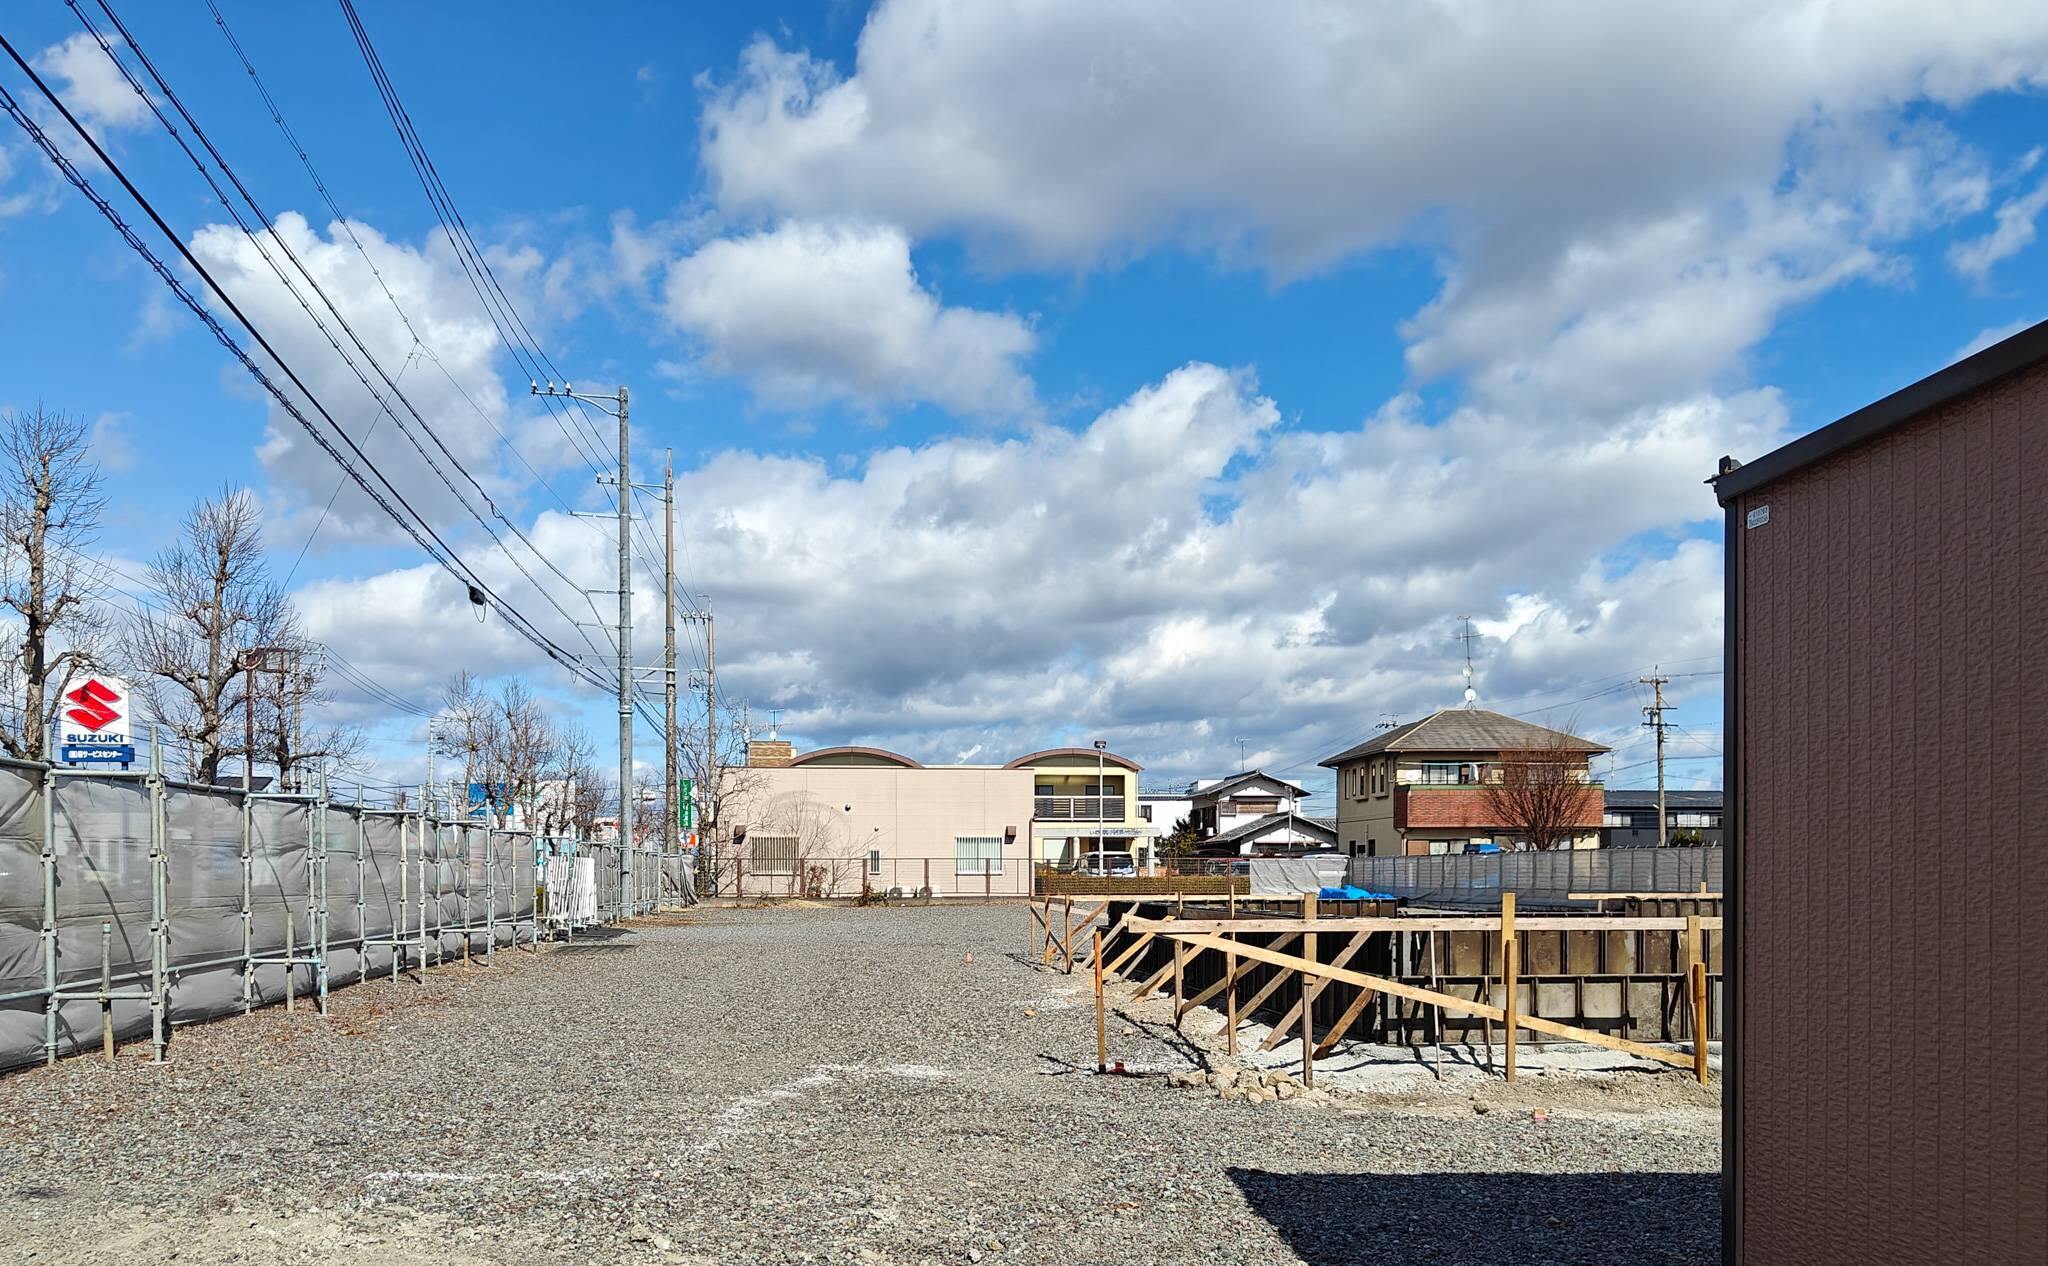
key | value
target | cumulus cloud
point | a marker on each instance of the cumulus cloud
(810, 312)
(1181, 571)
(91, 84)
(1299, 131)
(449, 373)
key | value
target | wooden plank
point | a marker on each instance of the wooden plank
(1131, 952)
(1310, 986)
(1230, 976)
(1101, 1022)
(1180, 953)
(1279, 978)
(1362, 999)
(1157, 978)
(1447, 923)
(1279, 1033)
(1444, 1001)
(1508, 951)
(1067, 945)
(1699, 1020)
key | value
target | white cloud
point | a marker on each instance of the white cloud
(810, 312)
(1179, 572)
(91, 84)
(1985, 338)
(1296, 132)
(450, 376)
(2012, 233)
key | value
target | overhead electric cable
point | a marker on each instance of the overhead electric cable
(414, 526)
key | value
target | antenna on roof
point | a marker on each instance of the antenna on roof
(1466, 637)
(774, 724)
(1388, 721)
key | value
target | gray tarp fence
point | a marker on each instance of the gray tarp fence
(209, 903)
(1538, 878)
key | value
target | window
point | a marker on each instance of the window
(874, 861)
(1379, 778)
(978, 855)
(1044, 789)
(772, 854)
(1372, 848)
(1442, 773)
(1614, 818)
(1145, 812)
(1697, 819)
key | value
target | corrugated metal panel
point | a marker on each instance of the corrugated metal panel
(1891, 645)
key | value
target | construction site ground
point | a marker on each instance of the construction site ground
(857, 1085)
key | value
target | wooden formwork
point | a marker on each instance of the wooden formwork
(1066, 935)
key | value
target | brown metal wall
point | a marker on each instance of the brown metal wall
(1891, 648)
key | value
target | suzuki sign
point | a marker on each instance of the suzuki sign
(94, 713)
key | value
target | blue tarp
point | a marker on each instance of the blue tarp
(1351, 892)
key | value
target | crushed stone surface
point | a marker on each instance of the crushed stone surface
(880, 1085)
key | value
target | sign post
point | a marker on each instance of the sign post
(92, 727)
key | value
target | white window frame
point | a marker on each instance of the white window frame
(874, 861)
(985, 862)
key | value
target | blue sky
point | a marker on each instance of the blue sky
(1118, 371)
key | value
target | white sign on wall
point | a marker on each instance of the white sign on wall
(94, 713)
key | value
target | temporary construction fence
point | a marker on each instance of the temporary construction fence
(1552, 878)
(131, 904)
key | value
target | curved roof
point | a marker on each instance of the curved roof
(882, 755)
(1110, 758)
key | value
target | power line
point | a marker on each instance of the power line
(415, 526)
(348, 228)
(391, 385)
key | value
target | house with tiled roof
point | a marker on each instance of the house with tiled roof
(1421, 788)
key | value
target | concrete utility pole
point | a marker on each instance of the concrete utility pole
(620, 405)
(1656, 722)
(669, 843)
(707, 765)
(626, 788)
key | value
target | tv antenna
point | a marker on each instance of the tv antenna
(1471, 695)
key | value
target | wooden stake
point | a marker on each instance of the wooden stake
(1507, 975)
(1230, 976)
(1309, 988)
(1180, 955)
(1699, 1021)
(1101, 1023)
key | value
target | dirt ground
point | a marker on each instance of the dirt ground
(824, 1085)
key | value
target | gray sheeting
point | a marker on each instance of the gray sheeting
(343, 877)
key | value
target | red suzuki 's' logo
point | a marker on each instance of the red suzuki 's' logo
(92, 711)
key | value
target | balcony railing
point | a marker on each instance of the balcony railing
(1078, 808)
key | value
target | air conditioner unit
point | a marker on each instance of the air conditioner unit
(897, 894)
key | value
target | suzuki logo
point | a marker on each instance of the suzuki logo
(93, 711)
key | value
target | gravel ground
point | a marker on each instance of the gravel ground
(808, 1085)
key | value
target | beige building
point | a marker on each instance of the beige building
(1420, 788)
(1084, 800)
(834, 821)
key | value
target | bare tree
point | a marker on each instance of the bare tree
(572, 793)
(1543, 793)
(50, 506)
(284, 698)
(220, 603)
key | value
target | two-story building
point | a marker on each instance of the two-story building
(1248, 813)
(1421, 788)
(1690, 818)
(831, 821)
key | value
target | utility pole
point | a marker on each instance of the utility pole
(707, 787)
(1656, 722)
(626, 789)
(668, 659)
(619, 406)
